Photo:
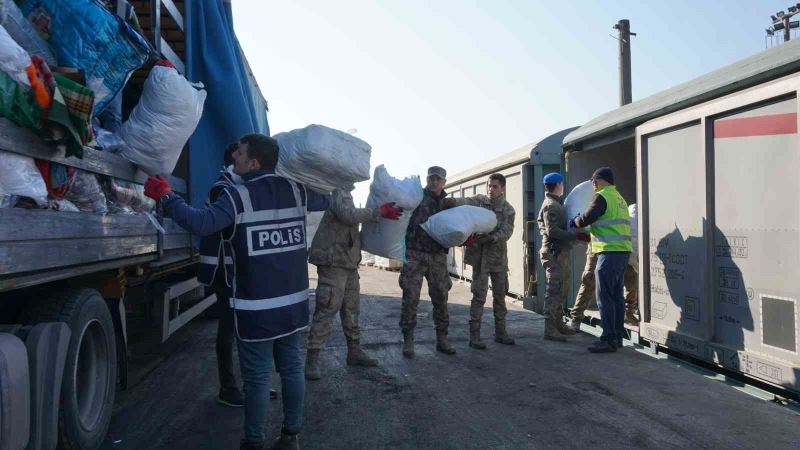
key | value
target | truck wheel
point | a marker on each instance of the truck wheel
(90, 372)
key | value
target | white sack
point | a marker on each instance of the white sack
(13, 58)
(162, 121)
(19, 176)
(452, 227)
(386, 237)
(634, 213)
(578, 200)
(322, 158)
(313, 219)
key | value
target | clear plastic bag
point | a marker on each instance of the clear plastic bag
(322, 158)
(452, 227)
(162, 121)
(130, 196)
(23, 33)
(387, 237)
(85, 192)
(19, 176)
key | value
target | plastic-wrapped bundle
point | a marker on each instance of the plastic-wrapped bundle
(85, 192)
(130, 195)
(452, 227)
(20, 177)
(13, 58)
(23, 33)
(322, 158)
(387, 238)
(578, 200)
(162, 121)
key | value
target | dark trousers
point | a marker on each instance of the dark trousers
(610, 279)
(225, 340)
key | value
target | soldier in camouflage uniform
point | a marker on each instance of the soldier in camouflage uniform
(488, 256)
(336, 251)
(556, 243)
(586, 292)
(426, 258)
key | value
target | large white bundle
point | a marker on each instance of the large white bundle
(322, 158)
(13, 58)
(578, 200)
(452, 227)
(162, 121)
(386, 237)
(634, 213)
(19, 176)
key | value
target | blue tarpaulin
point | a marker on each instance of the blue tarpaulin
(234, 106)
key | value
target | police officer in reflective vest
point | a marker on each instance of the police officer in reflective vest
(269, 276)
(609, 225)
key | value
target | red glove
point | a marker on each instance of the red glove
(157, 187)
(584, 237)
(391, 212)
(470, 240)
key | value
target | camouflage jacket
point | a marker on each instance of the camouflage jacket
(492, 256)
(337, 242)
(553, 226)
(416, 237)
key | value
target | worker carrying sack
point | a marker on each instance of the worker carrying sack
(386, 237)
(578, 201)
(451, 227)
(322, 158)
(162, 121)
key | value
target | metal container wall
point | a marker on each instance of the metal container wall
(720, 221)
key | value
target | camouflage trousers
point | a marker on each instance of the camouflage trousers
(586, 293)
(480, 286)
(432, 266)
(337, 292)
(556, 269)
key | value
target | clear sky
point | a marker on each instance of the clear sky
(456, 83)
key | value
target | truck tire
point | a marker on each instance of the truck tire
(90, 372)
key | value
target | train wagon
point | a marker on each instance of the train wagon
(523, 169)
(713, 164)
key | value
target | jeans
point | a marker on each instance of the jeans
(610, 281)
(225, 334)
(255, 359)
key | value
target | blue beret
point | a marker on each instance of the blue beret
(553, 178)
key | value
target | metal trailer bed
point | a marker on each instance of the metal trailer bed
(719, 252)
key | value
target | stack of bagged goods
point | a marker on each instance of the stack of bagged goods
(578, 200)
(19, 177)
(85, 193)
(386, 237)
(162, 121)
(452, 227)
(322, 158)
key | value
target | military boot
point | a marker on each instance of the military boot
(551, 331)
(564, 329)
(575, 323)
(475, 337)
(501, 335)
(312, 365)
(408, 344)
(442, 345)
(287, 441)
(357, 357)
(631, 319)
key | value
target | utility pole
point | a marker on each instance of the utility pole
(782, 21)
(624, 37)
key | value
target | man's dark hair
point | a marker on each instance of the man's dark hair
(550, 187)
(227, 156)
(500, 178)
(262, 148)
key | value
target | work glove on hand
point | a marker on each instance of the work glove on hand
(485, 239)
(157, 187)
(390, 211)
(470, 240)
(448, 203)
(583, 237)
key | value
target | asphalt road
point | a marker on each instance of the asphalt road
(537, 394)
